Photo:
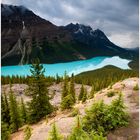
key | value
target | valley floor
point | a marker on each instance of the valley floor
(65, 122)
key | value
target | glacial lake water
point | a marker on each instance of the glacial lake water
(75, 67)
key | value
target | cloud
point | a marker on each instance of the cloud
(117, 18)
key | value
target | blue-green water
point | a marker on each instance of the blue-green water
(75, 67)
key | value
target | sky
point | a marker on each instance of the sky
(118, 19)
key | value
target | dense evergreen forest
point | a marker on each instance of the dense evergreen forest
(23, 80)
(109, 74)
(16, 114)
(101, 78)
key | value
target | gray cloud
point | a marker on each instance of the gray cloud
(117, 18)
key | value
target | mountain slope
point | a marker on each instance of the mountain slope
(26, 36)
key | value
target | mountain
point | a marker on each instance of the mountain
(96, 39)
(25, 36)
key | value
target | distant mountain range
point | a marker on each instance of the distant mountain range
(25, 36)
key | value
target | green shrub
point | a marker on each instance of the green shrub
(136, 87)
(103, 118)
(110, 94)
(74, 112)
(95, 136)
(54, 134)
(27, 132)
(117, 117)
(67, 102)
(95, 118)
(78, 133)
(4, 131)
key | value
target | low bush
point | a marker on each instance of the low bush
(103, 118)
(136, 87)
(74, 112)
(110, 94)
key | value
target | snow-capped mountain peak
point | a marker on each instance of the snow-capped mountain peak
(85, 30)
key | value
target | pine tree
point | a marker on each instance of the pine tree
(116, 113)
(67, 102)
(103, 118)
(23, 112)
(92, 92)
(72, 88)
(39, 106)
(94, 120)
(65, 86)
(5, 134)
(5, 111)
(84, 96)
(57, 79)
(2, 109)
(15, 119)
(78, 133)
(54, 134)
(81, 93)
(27, 132)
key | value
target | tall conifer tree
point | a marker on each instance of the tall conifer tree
(54, 134)
(27, 132)
(72, 88)
(92, 92)
(84, 98)
(5, 111)
(65, 86)
(81, 93)
(14, 112)
(39, 105)
(78, 133)
(5, 134)
(23, 112)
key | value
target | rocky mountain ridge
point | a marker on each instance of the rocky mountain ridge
(26, 36)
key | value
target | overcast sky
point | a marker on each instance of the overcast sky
(118, 19)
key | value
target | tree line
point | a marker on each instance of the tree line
(104, 77)
(25, 79)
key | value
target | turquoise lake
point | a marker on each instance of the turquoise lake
(75, 67)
